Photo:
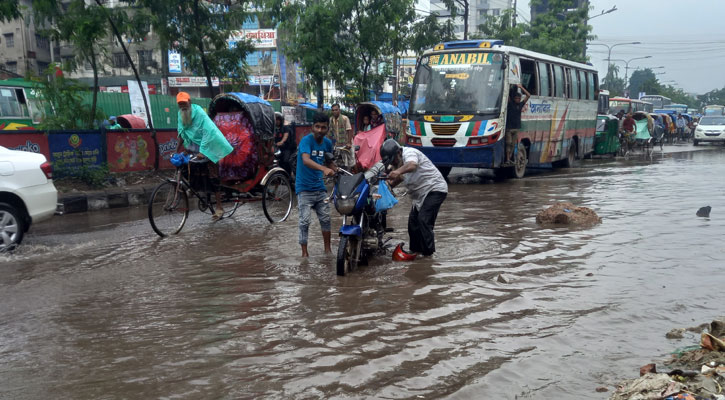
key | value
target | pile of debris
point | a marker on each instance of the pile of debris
(696, 374)
(567, 214)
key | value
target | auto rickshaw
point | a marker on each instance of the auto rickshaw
(606, 139)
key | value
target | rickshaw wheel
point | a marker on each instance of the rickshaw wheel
(168, 209)
(277, 197)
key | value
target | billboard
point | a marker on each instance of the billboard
(260, 38)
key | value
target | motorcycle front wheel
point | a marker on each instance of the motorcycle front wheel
(347, 254)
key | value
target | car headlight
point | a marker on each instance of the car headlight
(346, 206)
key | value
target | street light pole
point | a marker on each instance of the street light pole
(626, 69)
(613, 9)
(609, 53)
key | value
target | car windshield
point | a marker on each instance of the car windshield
(458, 83)
(712, 121)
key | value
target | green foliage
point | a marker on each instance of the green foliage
(199, 30)
(716, 96)
(613, 82)
(83, 25)
(10, 10)
(561, 31)
(428, 32)
(500, 27)
(95, 176)
(63, 103)
(643, 80)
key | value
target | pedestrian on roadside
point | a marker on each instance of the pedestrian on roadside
(340, 128)
(114, 123)
(309, 184)
(681, 124)
(200, 136)
(285, 142)
(513, 121)
(426, 186)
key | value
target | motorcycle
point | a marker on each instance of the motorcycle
(361, 234)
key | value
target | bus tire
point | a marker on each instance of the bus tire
(444, 171)
(520, 160)
(569, 161)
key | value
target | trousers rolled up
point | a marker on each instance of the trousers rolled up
(421, 223)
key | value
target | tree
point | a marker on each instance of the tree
(9, 10)
(642, 80)
(502, 27)
(61, 99)
(716, 96)
(83, 26)
(561, 31)
(613, 83)
(199, 30)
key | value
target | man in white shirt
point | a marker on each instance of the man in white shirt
(426, 186)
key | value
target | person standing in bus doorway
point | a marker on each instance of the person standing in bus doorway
(513, 121)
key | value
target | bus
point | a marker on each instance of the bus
(713, 110)
(457, 114)
(657, 101)
(19, 107)
(617, 104)
(680, 108)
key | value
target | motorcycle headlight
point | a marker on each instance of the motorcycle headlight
(346, 206)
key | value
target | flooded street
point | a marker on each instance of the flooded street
(228, 310)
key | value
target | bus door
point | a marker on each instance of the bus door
(560, 110)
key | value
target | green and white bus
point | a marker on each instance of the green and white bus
(19, 108)
(459, 103)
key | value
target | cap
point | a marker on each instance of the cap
(112, 117)
(183, 97)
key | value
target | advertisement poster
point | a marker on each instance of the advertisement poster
(71, 151)
(168, 140)
(260, 38)
(137, 104)
(32, 142)
(129, 151)
(174, 62)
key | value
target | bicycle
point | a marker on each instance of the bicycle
(168, 207)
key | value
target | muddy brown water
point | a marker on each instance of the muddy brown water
(96, 306)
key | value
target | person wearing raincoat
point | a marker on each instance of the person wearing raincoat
(200, 135)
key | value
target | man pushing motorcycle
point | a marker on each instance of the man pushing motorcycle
(426, 186)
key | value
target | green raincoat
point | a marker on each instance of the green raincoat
(205, 134)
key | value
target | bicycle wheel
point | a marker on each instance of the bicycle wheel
(168, 209)
(277, 198)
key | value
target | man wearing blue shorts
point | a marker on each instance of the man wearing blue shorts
(309, 184)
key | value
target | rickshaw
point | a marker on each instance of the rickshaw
(606, 139)
(641, 136)
(248, 124)
(659, 132)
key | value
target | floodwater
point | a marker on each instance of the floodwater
(228, 310)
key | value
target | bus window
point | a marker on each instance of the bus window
(544, 79)
(558, 81)
(593, 85)
(11, 105)
(575, 84)
(582, 85)
(528, 76)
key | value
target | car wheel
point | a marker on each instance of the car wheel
(11, 227)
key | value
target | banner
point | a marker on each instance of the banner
(168, 140)
(129, 151)
(32, 142)
(137, 105)
(260, 38)
(174, 62)
(191, 81)
(71, 151)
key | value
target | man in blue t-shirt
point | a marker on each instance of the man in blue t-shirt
(309, 184)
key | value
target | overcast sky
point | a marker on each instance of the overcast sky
(687, 37)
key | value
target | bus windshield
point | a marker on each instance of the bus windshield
(458, 83)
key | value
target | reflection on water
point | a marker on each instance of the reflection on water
(228, 310)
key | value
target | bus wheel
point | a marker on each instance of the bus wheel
(568, 162)
(445, 171)
(520, 161)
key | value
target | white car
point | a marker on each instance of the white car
(711, 128)
(27, 194)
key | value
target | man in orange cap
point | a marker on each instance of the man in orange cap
(200, 135)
